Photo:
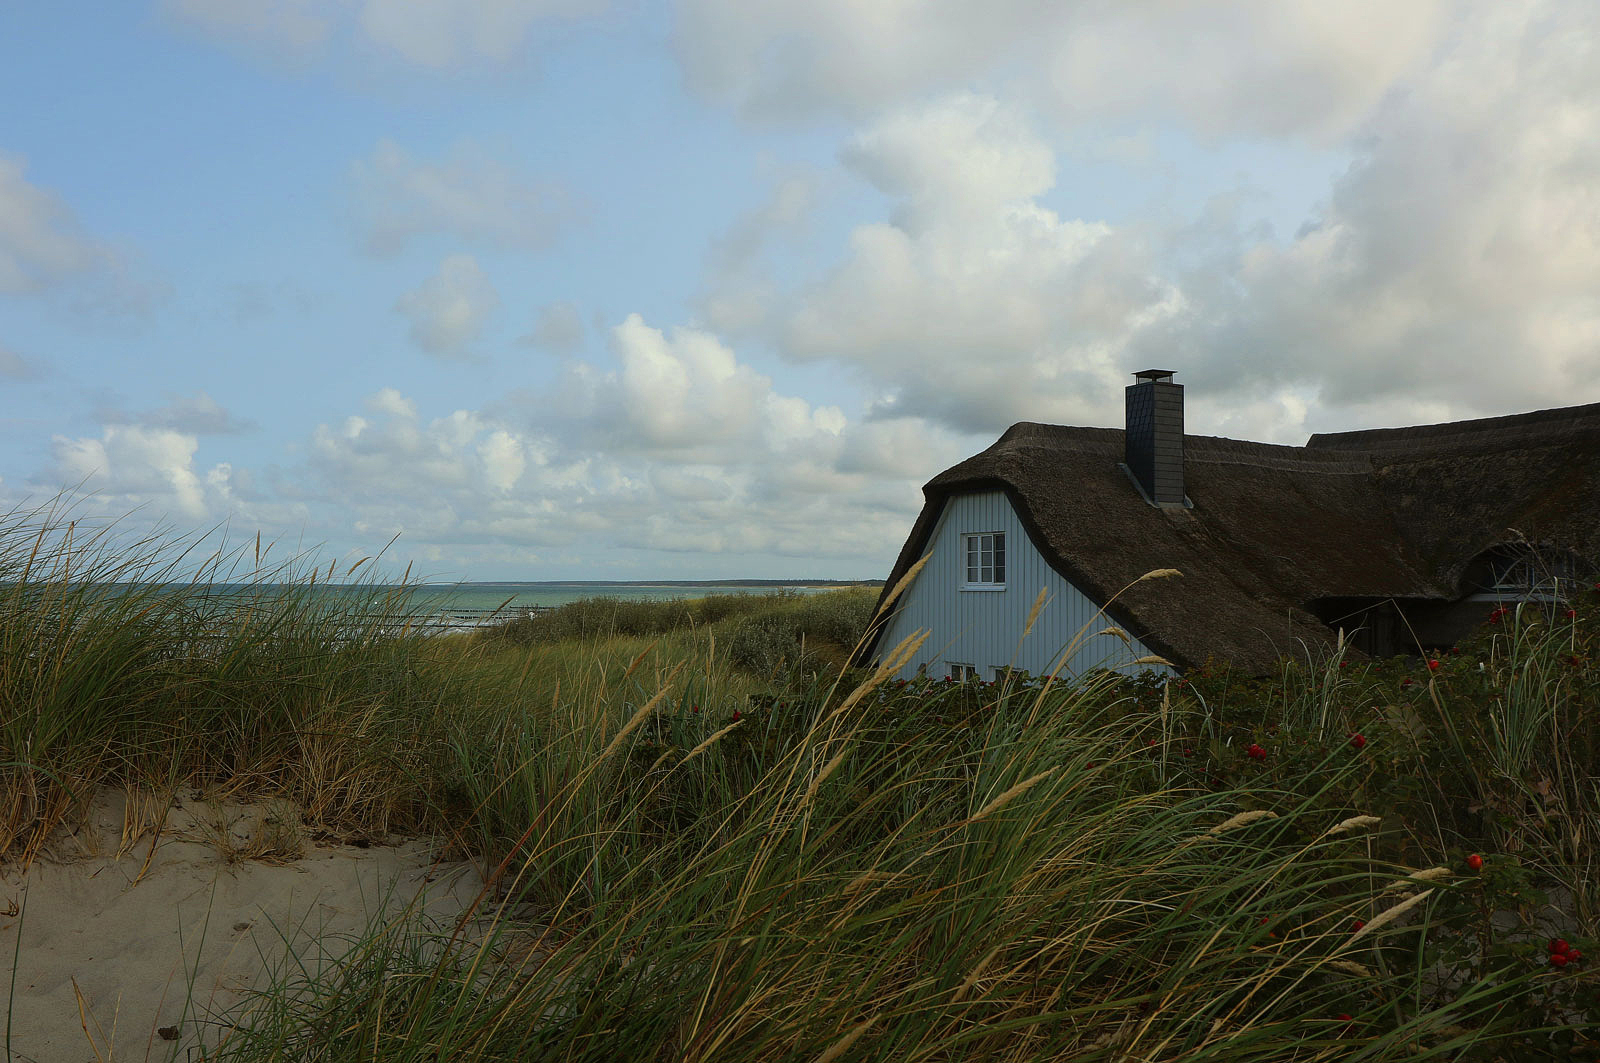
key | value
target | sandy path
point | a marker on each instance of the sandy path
(196, 919)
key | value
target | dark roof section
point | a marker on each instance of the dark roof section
(1456, 489)
(1392, 513)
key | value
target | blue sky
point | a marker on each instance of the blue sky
(587, 289)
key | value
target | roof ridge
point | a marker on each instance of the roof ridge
(1482, 431)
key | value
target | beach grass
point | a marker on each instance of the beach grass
(692, 853)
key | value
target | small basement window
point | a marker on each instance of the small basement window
(986, 560)
(962, 672)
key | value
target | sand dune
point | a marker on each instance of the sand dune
(112, 965)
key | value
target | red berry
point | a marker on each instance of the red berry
(694, 708)
(1358, 740)
(1433, 664)
(1572, 614)
(1151, 742)
(1475, 862)
(1557, 945)
(735, 715)
(1343, 1016)
(1573, 955)
(1558, 959)
(1358, 924)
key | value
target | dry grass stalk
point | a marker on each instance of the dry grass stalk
(1033, 614)
(900, 587)
(1012, 794)
(1353, 823)
(977, 972)
(638, 718)
(709, 741)
(822, 776)
(870, 878)
(1432, 874)
(1242, 819)
(1389, 915)
(842, 1045)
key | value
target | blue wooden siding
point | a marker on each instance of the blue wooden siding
(984, 627)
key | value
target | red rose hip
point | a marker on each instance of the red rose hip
(1475, 862)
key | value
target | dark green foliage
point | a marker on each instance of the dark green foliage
(762, 633)
(600, 618)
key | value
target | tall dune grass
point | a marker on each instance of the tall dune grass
(693, 860)
(120, 662)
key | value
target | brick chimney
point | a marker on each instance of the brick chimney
(1154, 437)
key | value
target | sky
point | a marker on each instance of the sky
(613, 289)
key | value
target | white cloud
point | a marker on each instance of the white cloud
(195, 415)
(447, 34)
(13, 365)
(739, 280)
(470, 196)
(41, 242)
(785, 210)
(390, 401)
(559, 328)
(1229, 67)
(432, 34)
(1451, 269)
(677, 446)
(1271, 68)
(962, 157)
(685, 393)
(130, 466)
(290, 28)
(1447, 274)
(672, 447)
(974, 305)
(448, 310)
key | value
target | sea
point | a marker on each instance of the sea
(463, 606)
(513, 597)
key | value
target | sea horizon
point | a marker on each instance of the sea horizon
(475, 598)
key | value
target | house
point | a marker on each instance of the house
(1403, 539)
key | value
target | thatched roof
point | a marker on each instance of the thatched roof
(1394, 513)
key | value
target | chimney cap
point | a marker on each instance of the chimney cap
(1159, 376)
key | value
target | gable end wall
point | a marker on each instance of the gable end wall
(985, 627)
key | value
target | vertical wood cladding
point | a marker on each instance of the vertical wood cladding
(984, 627)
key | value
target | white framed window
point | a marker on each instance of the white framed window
(984, 554)
(962, 672)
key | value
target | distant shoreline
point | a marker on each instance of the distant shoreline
(664, 583)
